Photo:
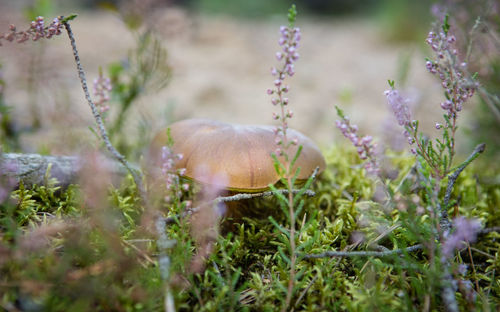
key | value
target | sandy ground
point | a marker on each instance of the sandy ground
(221, 70)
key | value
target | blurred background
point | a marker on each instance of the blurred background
(170, 60)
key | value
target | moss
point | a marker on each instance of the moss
(106, 260)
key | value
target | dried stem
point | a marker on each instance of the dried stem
(240, 196)
(348, 254)
(163, 241)
(97, 116)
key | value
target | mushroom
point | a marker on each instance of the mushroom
(241, 153)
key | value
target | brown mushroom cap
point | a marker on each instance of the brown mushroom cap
(240, 153)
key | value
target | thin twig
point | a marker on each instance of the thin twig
(224, 199)
(348, 254)
(482, 252)
(473, 267)
(452, 179)
(489, 230)
(242, 196)
(97, 116)
(140, 252)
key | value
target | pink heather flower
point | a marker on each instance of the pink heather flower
(466, 230)
(450, 71)
(399, 106)
(365, 146)
(171, 174)
(36, 31)
(289, 42)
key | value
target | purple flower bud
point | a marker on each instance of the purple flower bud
(269, 91)
(399, 106)
(277, 82)
(438, 126)
(446, 105)
(279, 56)
(274, 71)
(367, 139)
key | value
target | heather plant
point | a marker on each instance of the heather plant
(144, 70)
(292, 205)
(439, 237)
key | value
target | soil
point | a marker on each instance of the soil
(221, 70)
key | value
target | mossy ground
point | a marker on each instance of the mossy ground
(60, 253)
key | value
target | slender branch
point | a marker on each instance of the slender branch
(349, 254)
(489, 230)
(102, 130)
(242, 196)
(237, 197)
(452, 179)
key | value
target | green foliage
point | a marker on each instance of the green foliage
(100, 258)
(144, 70)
